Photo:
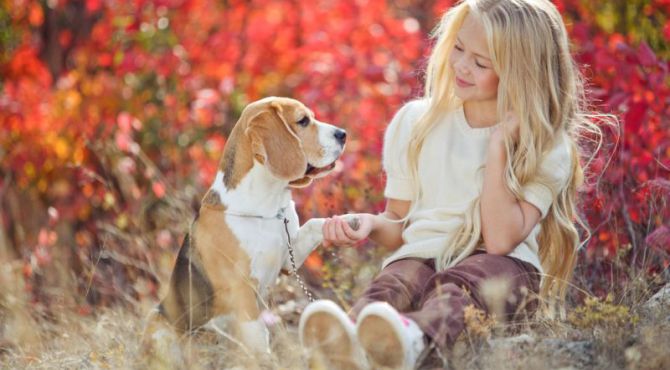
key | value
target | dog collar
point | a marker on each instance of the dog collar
(281, 215)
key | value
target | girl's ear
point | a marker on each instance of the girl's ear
(275, 146)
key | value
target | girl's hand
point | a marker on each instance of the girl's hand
(337, 231)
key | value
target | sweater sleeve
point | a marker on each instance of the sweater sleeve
(552, 178)
(395, 153)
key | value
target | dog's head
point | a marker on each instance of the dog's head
(287, 139)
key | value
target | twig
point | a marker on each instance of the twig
(124, 260)
(629, 228)
(95, 267)
(222, 333)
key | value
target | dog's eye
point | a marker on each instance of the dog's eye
(304, 121)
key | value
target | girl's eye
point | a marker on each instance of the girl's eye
(479, 65)
(304, 121)
(458, 48)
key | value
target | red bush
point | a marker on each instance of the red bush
(113, 116)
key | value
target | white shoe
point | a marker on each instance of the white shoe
(389, 339)
(329, 336)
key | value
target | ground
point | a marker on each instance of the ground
(596, 335)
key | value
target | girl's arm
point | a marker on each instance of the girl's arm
(385, 232)
(379, 227)
(506, 220)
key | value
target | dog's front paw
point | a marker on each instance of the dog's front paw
(255, 336)
(353, 221)
(311, 233)
(309, 236)
(314, 225)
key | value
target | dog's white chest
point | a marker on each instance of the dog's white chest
(266, 243)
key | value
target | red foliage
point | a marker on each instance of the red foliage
(123, 108)
(633, 81)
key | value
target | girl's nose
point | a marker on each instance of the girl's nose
(461, 67)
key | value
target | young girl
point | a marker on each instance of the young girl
(481, 184)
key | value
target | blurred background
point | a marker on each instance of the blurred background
(114, 114)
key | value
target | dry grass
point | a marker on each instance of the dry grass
(613, 333)
(597, 335)
(109, 339)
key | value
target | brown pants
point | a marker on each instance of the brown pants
(436, 300)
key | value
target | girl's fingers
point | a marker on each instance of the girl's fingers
(333, 231)
(327, 230)
(337, 232)
(341, 236)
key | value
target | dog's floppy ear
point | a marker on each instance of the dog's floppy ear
(274, 145)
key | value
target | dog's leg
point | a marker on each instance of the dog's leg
(310, 236)
(250, 328)
(238, 298)
(255, 335)
(160, 343)
(251, 335)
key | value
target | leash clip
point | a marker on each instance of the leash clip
(282, 215)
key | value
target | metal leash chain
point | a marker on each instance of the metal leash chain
(293, 267)
(354, 225)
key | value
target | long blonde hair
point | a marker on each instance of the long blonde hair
(539, 81)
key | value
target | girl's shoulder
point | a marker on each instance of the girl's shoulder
(413, 110)
(399, 130)
(560, 150)
(556, 163)
(405, 117)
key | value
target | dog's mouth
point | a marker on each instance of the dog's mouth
(315, 171)
(312, 172)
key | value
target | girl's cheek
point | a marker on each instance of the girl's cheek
(452, 61)
(489, 81)
(482, 81)
(494, 84)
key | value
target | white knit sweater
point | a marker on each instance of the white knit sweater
(451, 169)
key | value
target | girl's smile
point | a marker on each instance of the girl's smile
(462, 83)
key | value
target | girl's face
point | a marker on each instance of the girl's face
(475, 79)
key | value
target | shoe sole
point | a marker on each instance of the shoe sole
(381, 343)
(328, 342)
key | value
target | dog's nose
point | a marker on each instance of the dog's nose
(341, 136)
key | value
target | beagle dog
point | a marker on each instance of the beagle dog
(237, 243)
